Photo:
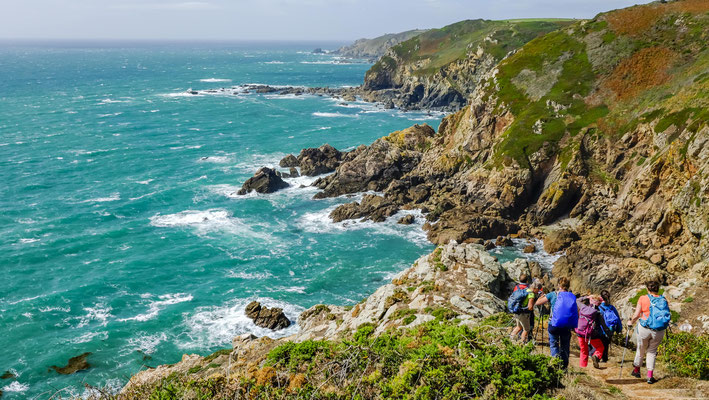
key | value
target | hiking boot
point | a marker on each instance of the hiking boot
(635, 374)
(651, 380)
(595, 362)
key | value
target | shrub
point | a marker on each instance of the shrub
(686, 354)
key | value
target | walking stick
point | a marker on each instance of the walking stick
(620, 375)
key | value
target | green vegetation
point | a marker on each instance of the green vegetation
(686, 354)
(642, 292)
(440, 47)
(222, 352)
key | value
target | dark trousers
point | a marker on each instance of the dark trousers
(560, 343)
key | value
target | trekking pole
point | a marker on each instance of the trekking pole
(622, 360)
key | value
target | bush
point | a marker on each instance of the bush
(686, 354)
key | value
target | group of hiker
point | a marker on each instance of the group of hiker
(593, 319)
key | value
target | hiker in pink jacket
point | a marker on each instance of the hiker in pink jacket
(589, 329)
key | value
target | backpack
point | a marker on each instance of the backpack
(660, 316)
(587, 321)
(611, 318)
(520, 286)
(564, 314)
(514, 303)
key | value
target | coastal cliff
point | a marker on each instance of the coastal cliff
(440, 69)
(372, 49)
(592, 138)
(599, 127)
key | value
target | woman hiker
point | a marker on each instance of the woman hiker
(654, 315)
(523, 318)
(564, 317)
(612, 320)
(589, 330)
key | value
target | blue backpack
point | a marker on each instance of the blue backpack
(514, 303)
(660, 316)
(611, 317)
(565, 314)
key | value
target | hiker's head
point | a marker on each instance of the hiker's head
(606, 296)
(523, 278)
(652, 286)
(536, 286)
(564, 283)
(595, 300)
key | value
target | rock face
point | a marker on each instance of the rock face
(266, 180)
(74, 364)
(270, 318)
(411, 76)
(289, 161)
(372, 49)
(318, 161)
(559, 240)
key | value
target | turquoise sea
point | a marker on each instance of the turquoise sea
(120, 230)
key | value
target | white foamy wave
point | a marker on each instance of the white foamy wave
(147, 343)
(208, 221)
(113, 197)
(545, 260)
(145, 182)
(334, 115)
(217, 159)
(216, 325)
(16, 387)
(182, 94)
(100, 313)
(50, 309)
(320, 222)
(250, 276)
(215, 80)
(156, 306)
(274, 62)
(28, 240)
(289, 96)
(89, 336)
(110, 101)
(225, 190)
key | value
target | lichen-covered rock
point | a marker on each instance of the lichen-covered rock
(289, 161)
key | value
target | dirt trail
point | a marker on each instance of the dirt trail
(666, 388)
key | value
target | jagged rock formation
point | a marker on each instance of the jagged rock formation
(441, 68)
(604, 122)
(270, 318)
(372, 49)
(266, 180)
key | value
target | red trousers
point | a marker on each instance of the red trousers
(583, 344)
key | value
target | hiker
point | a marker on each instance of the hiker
(522, 284)
(590, 326)
(612, 320)
(654, 314)
(564, 317)
(521, 304)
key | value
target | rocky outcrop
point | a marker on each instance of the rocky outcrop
(289, 161)
(270, 318)
(412, 76)
(374, 167)
(266, 180)
(372, 207)
(372, 49)
(318, 161)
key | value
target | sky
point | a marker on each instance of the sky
(294, 20)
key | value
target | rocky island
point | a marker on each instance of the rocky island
(590, 136)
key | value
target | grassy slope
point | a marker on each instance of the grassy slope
(640, 64)
(440, 47)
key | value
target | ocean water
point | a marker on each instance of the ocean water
(121, 233)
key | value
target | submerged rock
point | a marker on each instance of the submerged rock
(8, 375)
(270, 318)
(74, 364)
(266, 180)
(407, 220)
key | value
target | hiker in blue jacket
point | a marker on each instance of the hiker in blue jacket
(612, 320)
(564, 317)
